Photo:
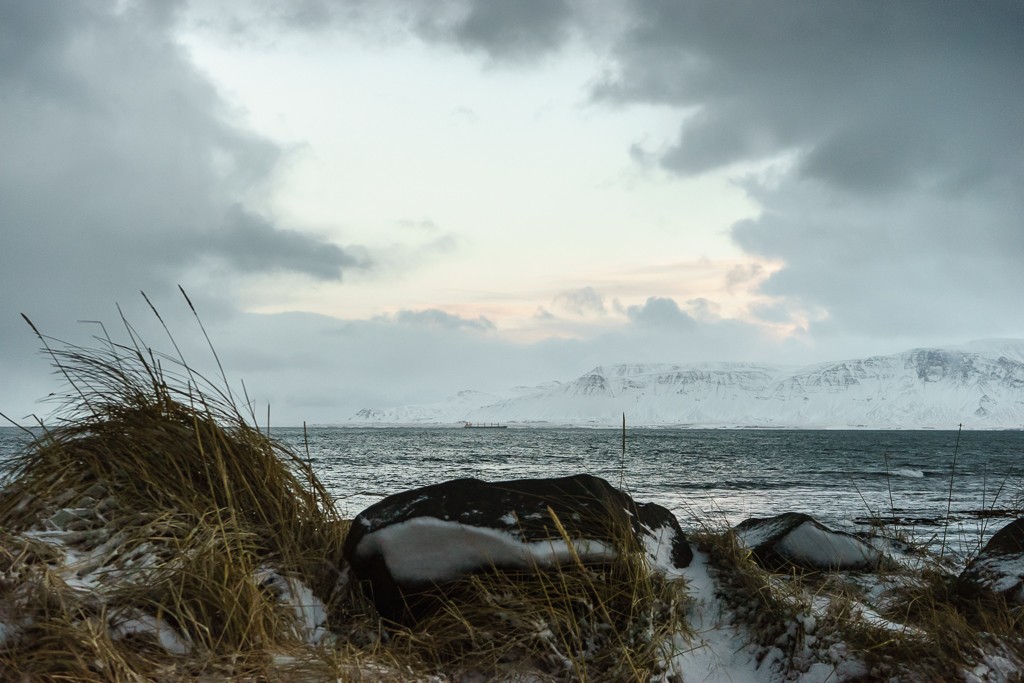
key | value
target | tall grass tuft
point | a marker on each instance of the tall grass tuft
(167, 507)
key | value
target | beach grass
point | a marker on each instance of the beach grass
(901, 621)
(175, 516)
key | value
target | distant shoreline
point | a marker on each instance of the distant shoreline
(681, 426)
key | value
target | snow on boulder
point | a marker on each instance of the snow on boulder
(998, 570)
(407, 543)
(795, 539)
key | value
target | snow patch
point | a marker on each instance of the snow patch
(718, 653)
(310, 612)
(658, 544)
(163, 632)
(426, 549)
(812, 545)
(1005, 571)
(821, 548)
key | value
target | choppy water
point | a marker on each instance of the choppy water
(708, 476)
(704, 476)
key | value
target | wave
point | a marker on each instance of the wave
(736, 485)
(907, 472)
(846, 475)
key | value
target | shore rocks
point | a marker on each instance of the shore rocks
(410, 542)
(795, 539)
(998, 570)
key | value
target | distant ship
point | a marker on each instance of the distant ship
(483, 425)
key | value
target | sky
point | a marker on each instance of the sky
(375, 204)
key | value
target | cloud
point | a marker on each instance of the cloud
(892, 136)
(582, 301)
(660, 312)
(337, 367)
(334, 367)
(900, 266)
(503, 30)
(704, 309)
(743, 274)
(863, 109)
(435, 318)
(882, 142)
(862, 88)
(124, 170)
(774, 312)
(251, 243)
(322, 369)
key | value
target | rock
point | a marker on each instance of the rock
(998, 570)
(794, 539)
(408, 543)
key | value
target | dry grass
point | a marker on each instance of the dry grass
(901, 623)
(138, 534)
(154, 501)
(614, 621)
(765, 602)
(931, 630)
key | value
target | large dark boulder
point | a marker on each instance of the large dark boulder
(998, 570)
(407, 544)
(793, 539)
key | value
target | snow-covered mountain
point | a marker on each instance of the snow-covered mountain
(979, 385)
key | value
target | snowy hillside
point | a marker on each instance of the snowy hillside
(980, 385)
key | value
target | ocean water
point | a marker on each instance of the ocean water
(848, 480)
(845, 479)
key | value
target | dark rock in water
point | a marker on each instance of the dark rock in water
(794, 539)
(998, 570)
(408, 543)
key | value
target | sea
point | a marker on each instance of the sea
(947, 489)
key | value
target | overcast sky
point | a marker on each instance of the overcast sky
(378, 203)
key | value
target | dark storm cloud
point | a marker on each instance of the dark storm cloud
(902, 265)
(119, 169)
(121, 165)
(916, 91)
(896, 210)
(519, 31)
(252, 244)
(503, 30)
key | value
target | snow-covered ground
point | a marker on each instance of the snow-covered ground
(723, 646)
(979, 385)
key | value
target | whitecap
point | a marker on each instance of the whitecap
(907, 472)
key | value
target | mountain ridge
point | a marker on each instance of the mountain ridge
(979, 385)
